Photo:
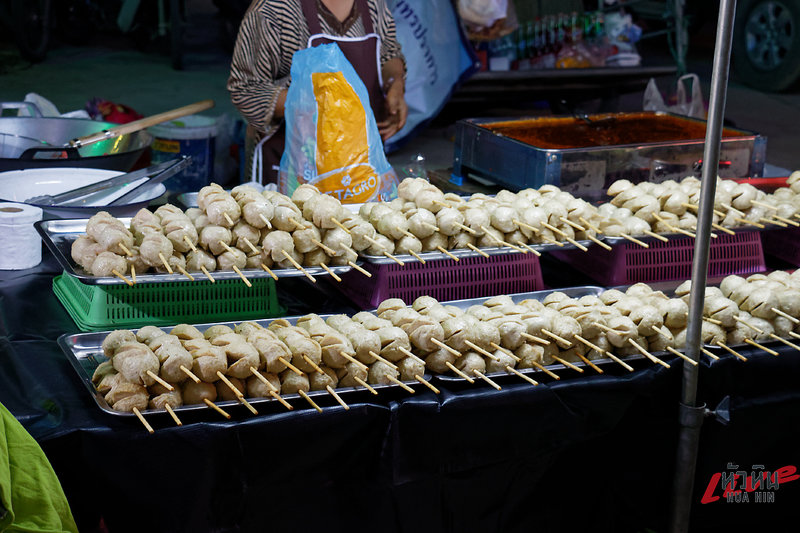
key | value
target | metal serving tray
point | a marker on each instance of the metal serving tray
(84, 352)
(59, 235)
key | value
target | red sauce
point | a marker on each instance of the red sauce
(604, 130)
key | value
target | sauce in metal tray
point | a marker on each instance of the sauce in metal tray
(604, 130)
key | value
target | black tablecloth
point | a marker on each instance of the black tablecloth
(590, 453)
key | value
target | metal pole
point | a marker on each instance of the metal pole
(691, 416)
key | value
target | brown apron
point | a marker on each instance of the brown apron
(363, 53)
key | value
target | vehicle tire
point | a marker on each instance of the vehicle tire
(31, 25)
(766, 44)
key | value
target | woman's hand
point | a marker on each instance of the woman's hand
(396, 109)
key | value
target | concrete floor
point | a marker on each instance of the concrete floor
(110, 67)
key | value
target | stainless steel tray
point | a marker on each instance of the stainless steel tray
(59, 235)
(84, 352)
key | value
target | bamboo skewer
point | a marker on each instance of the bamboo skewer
(273, 391)
(216, 407)
(784, 341)
(773, 222)
(251, 245)
(382, 360)
(354, 360)
(567, 364)
(365, 384)
(520, 374)
(601, 351)
(634, 240)
(536, 339)
(337, 397)
(459, 372)
(417, 256)
(290, 366)
(314, 365)
(751, 342)
(466, 228)
(712, 321)
(246, 281)
(427, 384)
(189, 373)
(333, 219)
(502, 242)
(723, 229)
(683, 356)
(793, 334)
(590, 225)
(189, 243)
(764, 205)
(266, 269)
(731, 351)
(359, 269)
(411, 355)
(506, 351)
(749, 223)
(545, 370)
(748, 324)
(247, 404)
(208, 274)
(125, 249)
(568, 222)
(655, 235)
(329, 271)
(588, 362)
(177, 420)
(398, 382)
(647, 354)
(123, 278)
(486, 379)
(327, 249)
(448, 254)
(526, 226)
(786, 315)
(183, 271)
(554, 230)
(393, 258)
(160, 381)
(710, 354)
(307, 398)
(298, 266)
(598, 242)
(228, 219)
(528, 248)
(442, 345)
(278, 397)
(133, 273)
(481, 351)
(230, 385)
(786, 220)
(265, 221)
(555, 337)
(144, 422)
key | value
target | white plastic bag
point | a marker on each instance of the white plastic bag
(482, 12)
(690, 107)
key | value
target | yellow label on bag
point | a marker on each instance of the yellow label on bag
(165, 145)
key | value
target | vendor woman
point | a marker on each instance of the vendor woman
(273, 30)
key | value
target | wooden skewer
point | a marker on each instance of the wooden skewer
(290, 366)
(189, 373)
(189, 243)
(228, 219)
(382, 360)
(670, 227)
(230, 385)
(337, 397)
(354, 360)
(647, 354)
(298, 266)
(448, 254)
(459, 372)
(786, 315)
(327, 249)
(590, 225)
(784, 341)
(634, 240)
(393, 258)
(600, 350)
(266, 269)
(555, 337)
(177, 420)
(251, 245)
(246, 281)
(723, 229)
(265, 221)
(476, 249)
(359, 269)
(786, 220)
(420, 259)
(683, 356)
(554, 229)
(793, 334)
(144, 422)
(160, 381)
(273, 391)
(506, 351)
(604, 327)
(548, 240)
(427, 384)
(439, 202)
(526, 226)
(731, 208)
(283, 402)
(307, 398)
(333, 219)
(431, 226)
(165, 262)
(442, 345)
(751, 342)
(599, 242)
(536, 339)
(257, 374)
(534, 251)
(398, 382)
(365, 384)
(656, 235)
(774, 222)
(183, 271)
(710, 354)
(749, 223)
(764, 205)
(133, 274)
(216, 408)
(466, 228)
(520, 374)
(314, 365)
(329, 271)
(588, 362)
(712, 321)
(748, 324)
(297, 225)
(480, 350)
(576, 244)
(731, 351)
(567, 364)
(568, 222)
(123, 278)
(688, 233)
(501, 242)
(545, 370)
(125, 249)
(486, 379)
(247, 404)
(208, 274)
(226, 246)
(411, 355)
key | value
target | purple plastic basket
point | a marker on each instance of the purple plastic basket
(471, 277)
(629, 263)
(783, 244)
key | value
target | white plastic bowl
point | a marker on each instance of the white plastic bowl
(19, 185)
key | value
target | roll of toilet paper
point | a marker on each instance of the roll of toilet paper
(21, 246)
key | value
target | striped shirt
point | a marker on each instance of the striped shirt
(270, 33)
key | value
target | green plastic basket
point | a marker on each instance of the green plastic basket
(102, 307)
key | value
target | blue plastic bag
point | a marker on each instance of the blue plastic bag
(332, 139)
